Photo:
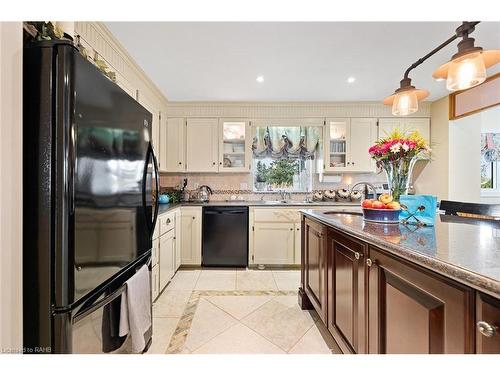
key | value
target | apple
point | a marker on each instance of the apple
(385, 198)
(393, 206)
(367, 203)
(378, 205)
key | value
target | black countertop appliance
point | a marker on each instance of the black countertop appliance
(89, 173)
(225, 236)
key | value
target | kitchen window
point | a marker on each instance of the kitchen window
(490, 164)
(285, 154)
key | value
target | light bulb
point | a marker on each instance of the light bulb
(465, 72)
(405, 102)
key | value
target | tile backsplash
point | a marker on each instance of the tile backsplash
(225, 185)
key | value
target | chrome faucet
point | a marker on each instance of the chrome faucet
(366, 184)
(284, 194)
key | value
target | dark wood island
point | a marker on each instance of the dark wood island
(401, 289)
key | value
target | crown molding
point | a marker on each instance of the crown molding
(122, 52)
(286, 109)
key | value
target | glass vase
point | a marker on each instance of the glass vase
(399, 175)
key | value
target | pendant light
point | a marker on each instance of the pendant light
(405, 99)
(467, 67)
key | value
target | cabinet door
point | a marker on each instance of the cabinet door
(273, 243)
(167, 250)
(336, 144)
(202, 145)
(487, 324)
(191, 236)
(346, 307)
(174, 151)
(362, 134)
(413, 311)
(422, 125)
(155, 252)
(387, 125)
(155, 282)
(234, 146)
(297, 243)
(178, 225)
(314, 277)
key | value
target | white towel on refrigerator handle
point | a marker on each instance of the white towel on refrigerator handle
(135, 310)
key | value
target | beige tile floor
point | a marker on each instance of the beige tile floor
(243, 320)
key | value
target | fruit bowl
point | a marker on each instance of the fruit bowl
(381, 215)
(381, 210)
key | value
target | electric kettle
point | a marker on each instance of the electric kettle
(204, 193)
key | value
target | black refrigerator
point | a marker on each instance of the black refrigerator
(89, 174)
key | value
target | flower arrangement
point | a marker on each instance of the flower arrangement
(397, 146)
(397, 154)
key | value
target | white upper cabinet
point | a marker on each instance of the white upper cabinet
(202, 141)
(173, 138)
(234, 146)
(363, 135)
(387, 125)
(347, 142)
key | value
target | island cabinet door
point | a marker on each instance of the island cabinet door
(346, 292)
(414, 311)
(487, 324)
(314, 268)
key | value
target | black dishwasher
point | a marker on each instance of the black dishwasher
(225, 236)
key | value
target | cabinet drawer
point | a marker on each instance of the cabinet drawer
(487, 324)
(155, 282)
(155, 251)
(167, 222)
(276, 215)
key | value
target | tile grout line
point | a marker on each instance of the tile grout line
(300, 338)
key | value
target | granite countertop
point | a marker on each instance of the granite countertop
(464, 251)
(167, 207)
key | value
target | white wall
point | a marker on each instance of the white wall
(465, 154)
(432, 177)
(10, 185)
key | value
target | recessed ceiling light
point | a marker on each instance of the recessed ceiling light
(260, 79)
(351, 79)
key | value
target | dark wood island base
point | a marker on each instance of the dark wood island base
(372, 301)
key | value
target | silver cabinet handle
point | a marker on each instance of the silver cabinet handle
(357, 255)
(486, 329)
(168, 221)
(369, 262)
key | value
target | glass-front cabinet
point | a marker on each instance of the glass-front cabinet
(337, 144)
(235, 146)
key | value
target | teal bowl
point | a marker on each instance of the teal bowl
(163, 199)
(385, 216)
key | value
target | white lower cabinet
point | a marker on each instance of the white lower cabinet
(178, 235)
(155, 282)
(191, 236)
(297, 245)
(273, 243)
(275, 234)
(167, 258)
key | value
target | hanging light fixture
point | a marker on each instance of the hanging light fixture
(467, 67)
(405, 99)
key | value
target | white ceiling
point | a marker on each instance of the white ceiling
(300, 61)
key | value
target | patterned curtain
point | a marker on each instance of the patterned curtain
(490, 147)
(286, 142)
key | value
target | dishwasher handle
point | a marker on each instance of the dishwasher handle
(216, 212)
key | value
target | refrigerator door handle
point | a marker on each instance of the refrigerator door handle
(89, 310)
(157, 186)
